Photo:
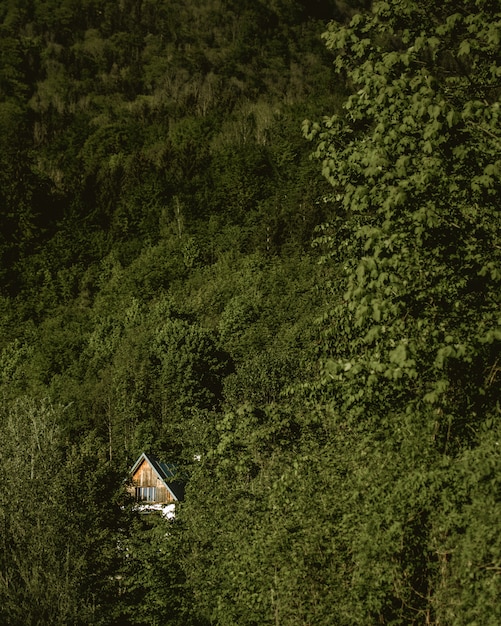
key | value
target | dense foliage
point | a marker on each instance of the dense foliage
(318, 354)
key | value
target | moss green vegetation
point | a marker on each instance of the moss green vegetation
(313, 341)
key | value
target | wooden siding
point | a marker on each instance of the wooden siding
(145, 476)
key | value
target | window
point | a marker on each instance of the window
(146, 494)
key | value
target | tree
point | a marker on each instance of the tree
(153, 588)
(61, 518)
(410, 368)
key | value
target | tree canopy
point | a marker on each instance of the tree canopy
(262, 241)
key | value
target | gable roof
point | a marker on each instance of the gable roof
(166, 472)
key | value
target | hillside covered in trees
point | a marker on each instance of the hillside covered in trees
(261, 240)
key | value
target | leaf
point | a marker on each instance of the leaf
(451, 118)
(399, 355)
(464, 48)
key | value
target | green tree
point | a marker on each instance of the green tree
(152, 586)
(190, 368)
(61, 519)
(410, 368)
(231, 516)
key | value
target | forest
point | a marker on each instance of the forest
(262, 241)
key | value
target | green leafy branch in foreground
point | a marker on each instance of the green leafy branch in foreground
(411, 356)
(411, 174)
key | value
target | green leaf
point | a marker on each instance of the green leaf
(464, 48)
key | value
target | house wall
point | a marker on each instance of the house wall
(145, 476)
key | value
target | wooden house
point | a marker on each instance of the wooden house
(154, 482)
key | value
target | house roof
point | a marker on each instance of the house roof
(166, 472)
